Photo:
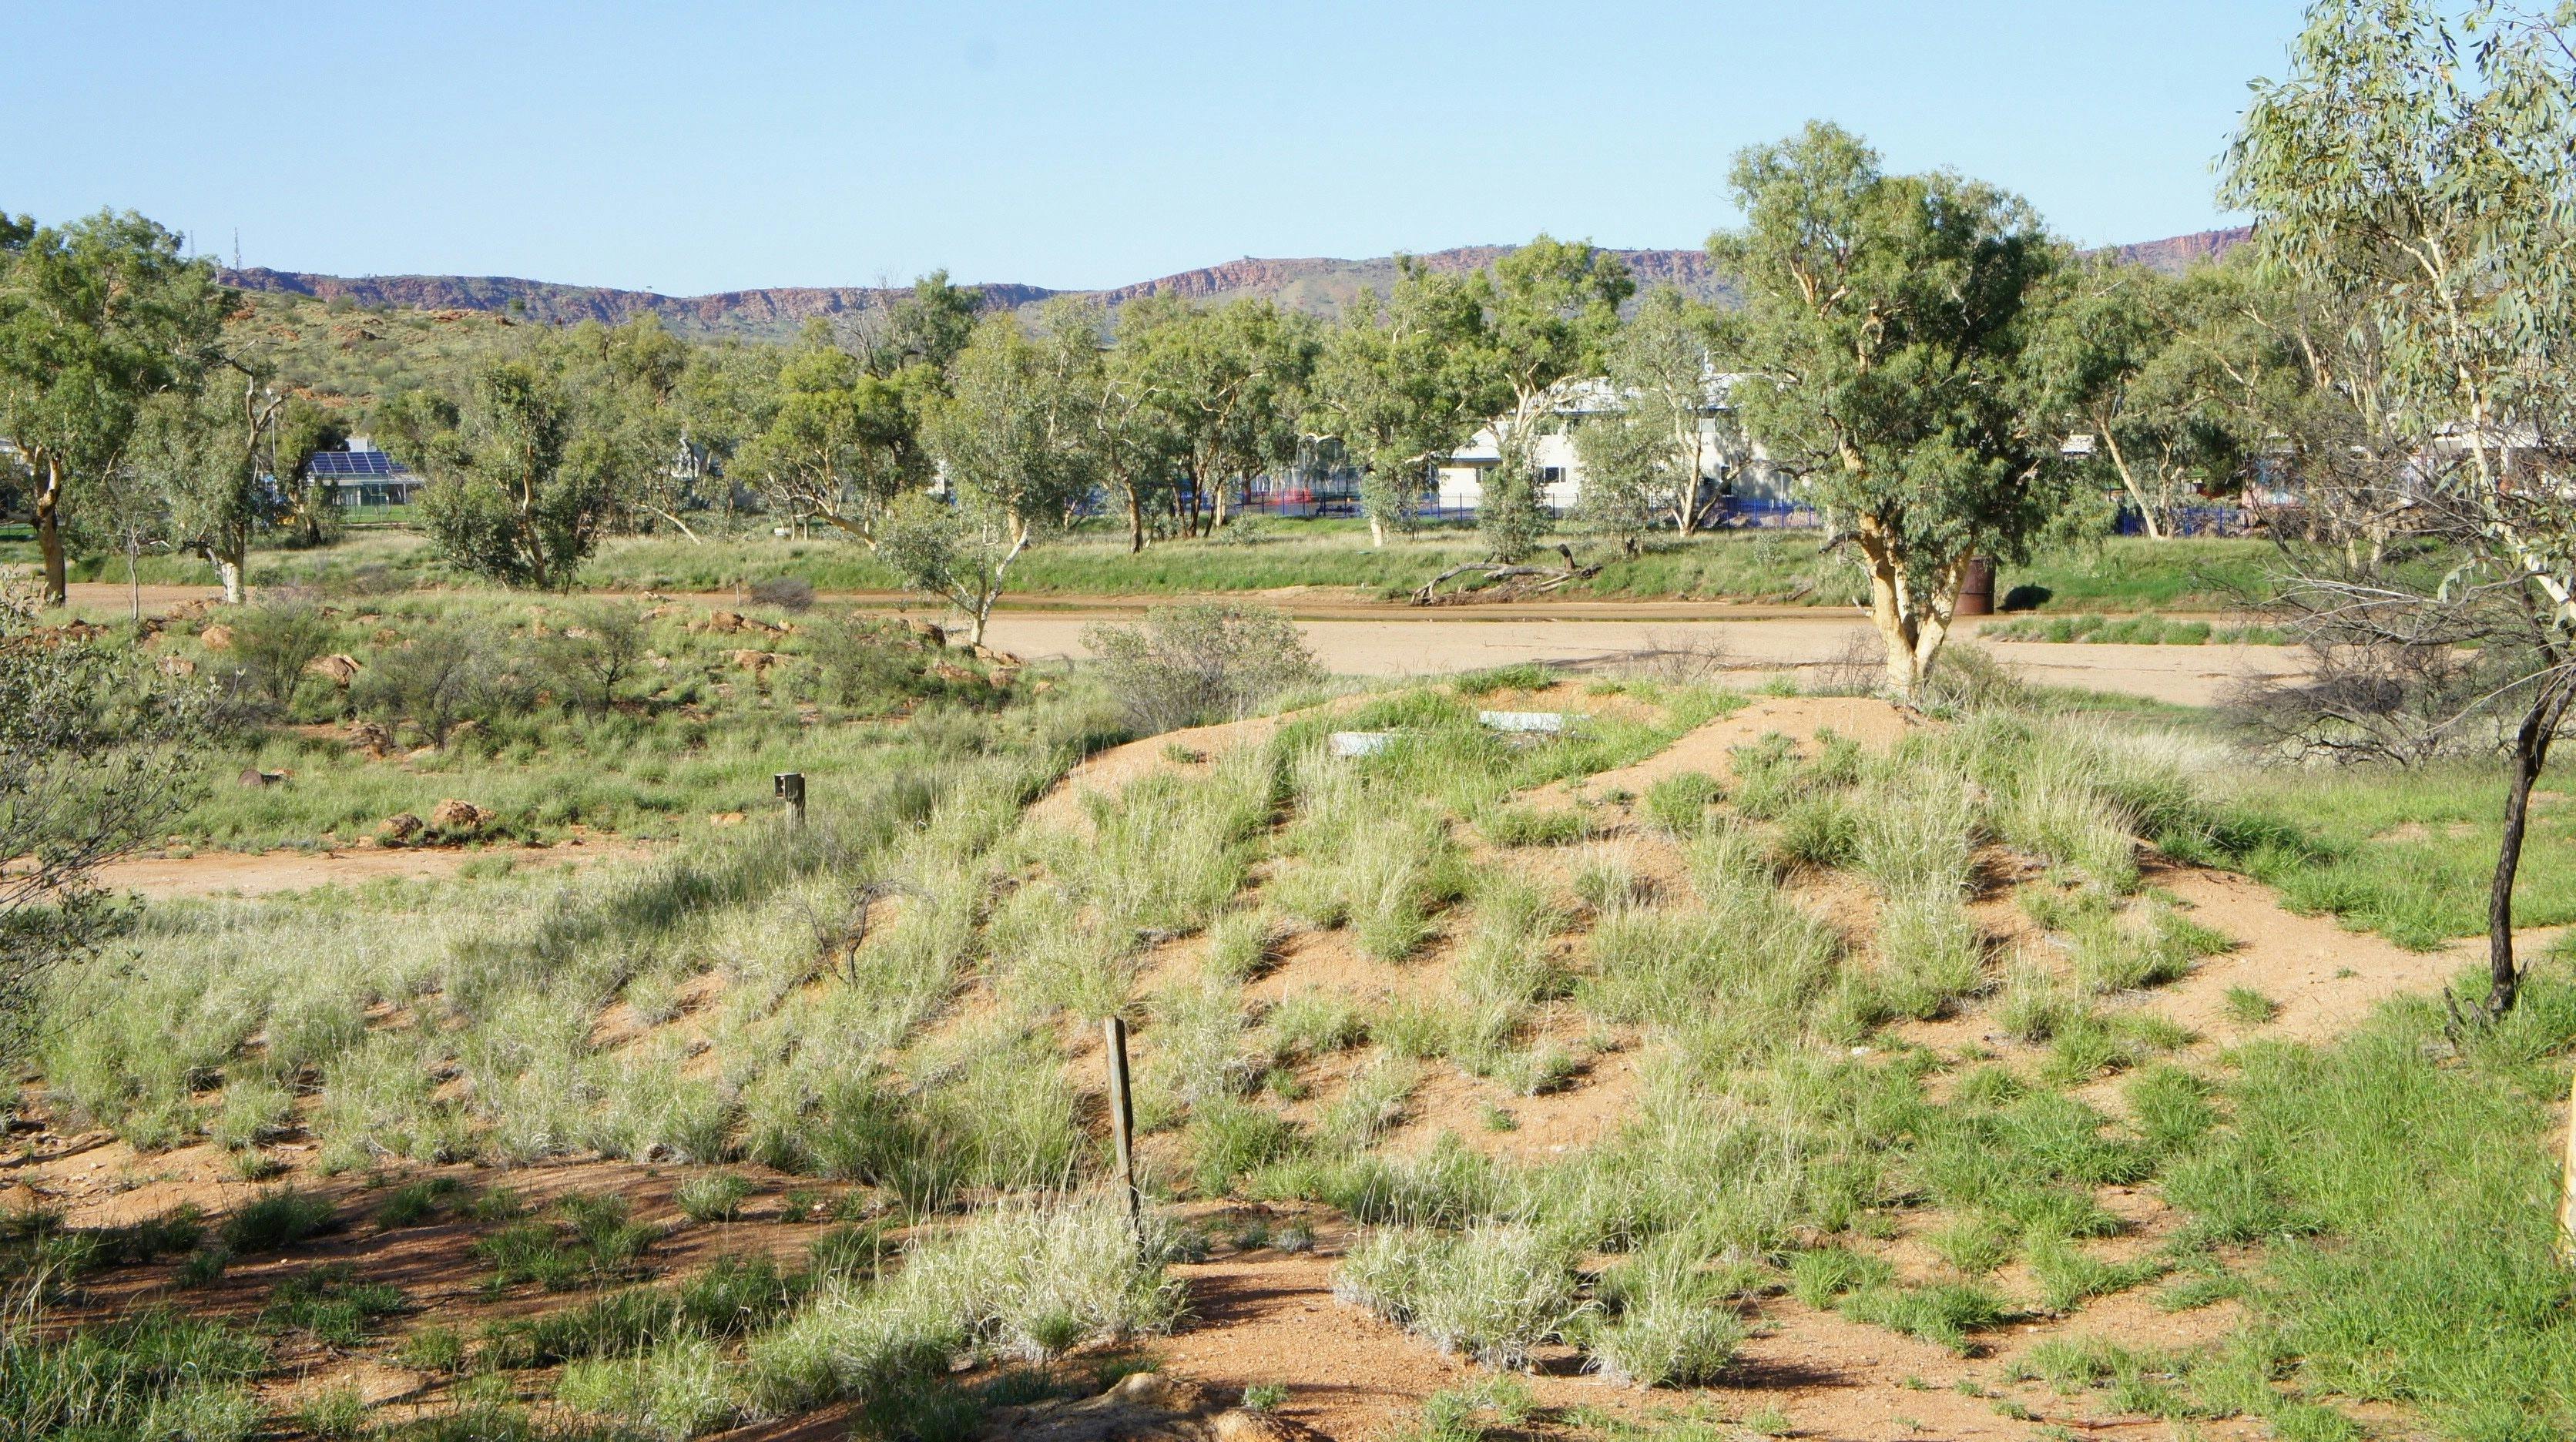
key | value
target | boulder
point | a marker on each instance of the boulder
(342, 669)
(216, 638)
(996, 657)
(372, 738)
(454, 815)
(398, 828)
(755, 661)
(725, 621)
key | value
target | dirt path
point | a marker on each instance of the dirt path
(238, 873)
(1360, 637)
(1267, 1317)
(1418, 643)
(2325, 979)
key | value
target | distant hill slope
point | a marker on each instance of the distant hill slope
(1321, 286)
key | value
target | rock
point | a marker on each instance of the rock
(726, 621)
(254, 777)
(398, 828)
(1143, 1407)
(930, 632)
(177, 666)
(216, 638)
(955, 675)
(454, 815)
(371, 738)
(997, 657)
(425, 753)
(756, 661)
(342, 669)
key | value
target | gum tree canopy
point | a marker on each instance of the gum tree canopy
(1889, 332)
(2415, 168)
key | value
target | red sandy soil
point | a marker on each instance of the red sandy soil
(1266, 1316)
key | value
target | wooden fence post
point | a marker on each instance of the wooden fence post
(2567, 1186)
(1122, 1122)
(789, 786)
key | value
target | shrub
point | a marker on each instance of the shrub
(1189, 665)
(1943, 1312)
(1533, 825)
(1314, 1022)
(787, 593)
(332, 1304)
(1666, 1342)
(1679, 803)
(274, 640)
(591, 658)
(1490, 1293)
(444, 672)
(1229, 1139)
(276, 1219)
(413, 1203)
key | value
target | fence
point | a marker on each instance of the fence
(2190, 521)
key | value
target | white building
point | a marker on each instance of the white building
(1736, 467)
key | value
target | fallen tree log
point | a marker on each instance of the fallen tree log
(1505, 582)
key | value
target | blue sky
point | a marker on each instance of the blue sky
(692, 148)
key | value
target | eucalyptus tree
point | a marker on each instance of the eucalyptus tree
(1401, 383)
(1229, 380)
(841, 443)
(516, 497)
(2415, 166)
(1645, 457)
(1889, 335)
(1551, 311)
(1017, 444)
(96, 317)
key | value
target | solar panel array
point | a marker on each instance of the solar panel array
(355, 465)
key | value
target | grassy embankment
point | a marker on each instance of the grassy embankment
(2376, 1206)
(2127, 575)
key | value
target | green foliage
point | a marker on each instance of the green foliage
(276, 1219)
(152, 1375)
(1489, 1293)
(713, 1197)
(1902, 306)
(1197, 664)
(331, 1304)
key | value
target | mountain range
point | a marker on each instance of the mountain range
(1321, 286)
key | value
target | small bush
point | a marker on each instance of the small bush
(1314, 1022)
(332, 1304)
(792, 594)
(1533, 826)
(1490, 1293)
(1229, 1139)
(1190, 665)
(713, 1197)
(413, 1203)
(1943, 1312)
(274, 640)
(1678, 804)
(276, 1219)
